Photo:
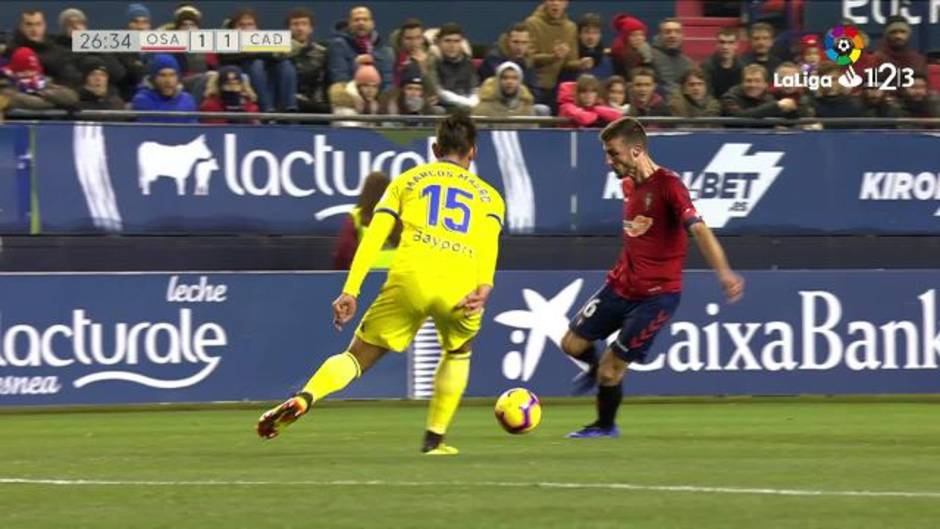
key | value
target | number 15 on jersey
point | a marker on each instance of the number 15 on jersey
(456, 207)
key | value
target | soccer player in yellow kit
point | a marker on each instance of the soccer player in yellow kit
(443, 268)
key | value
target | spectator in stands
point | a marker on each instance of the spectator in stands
(453, 73)
(555, 46)
(723, 68)
(162, 91)
(309, 60)
(804, 103)
(591, 47)
(919, 101)
(876, 103)
(505, 94)
(615, 93)
(644, 100)
(629, 49)
(354, 226)
(25, 84)
(227, 91)
(57, 62)
(751, 99)
(515, 45)
(669, 62)
(692, 100)
(835, 100)
(411, 48)
(357, 45)
(273, 76)
(360, 96)
(409, 98)
(762, 41)
(135, 67)
(97, 93)
(75, 20)
(810, 54)
(193, 66)
(895, 47)
(580, 100)
(138, 17)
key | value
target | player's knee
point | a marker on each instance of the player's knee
(574, 345)
(609, 375)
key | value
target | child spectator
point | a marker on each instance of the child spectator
(615, 93)
(580, 101)
(26, 86)
(227, 91)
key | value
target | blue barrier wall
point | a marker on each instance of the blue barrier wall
(192, 337)
(210, 179)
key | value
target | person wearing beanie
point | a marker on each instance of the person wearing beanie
(162, 91)
(810, 53)
(96, 93)
(580, 101)
(187, 18)
(57, 62)
(895, 46)
(629, 49)
(228, 91)
(453, 73)
(360, 96)
(505, 94)
(723, 68)
(409, 97)
(26, 86)
(138, 17)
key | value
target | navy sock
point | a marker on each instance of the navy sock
(608, 401)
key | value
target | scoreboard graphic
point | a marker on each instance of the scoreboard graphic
(201, 41)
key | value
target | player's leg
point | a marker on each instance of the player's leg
(643, 322)
(456, 331)
(598, 318)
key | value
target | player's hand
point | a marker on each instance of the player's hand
(732, 284)
(473, 302)
(344, 308)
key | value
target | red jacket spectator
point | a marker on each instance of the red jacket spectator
(895, 47)
(228, 91)
(624, 54)
(579, 101)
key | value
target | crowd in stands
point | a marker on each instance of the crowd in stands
(547, 64)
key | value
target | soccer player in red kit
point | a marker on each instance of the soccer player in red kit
(642, 290)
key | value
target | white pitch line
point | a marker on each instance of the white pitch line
(495, 484)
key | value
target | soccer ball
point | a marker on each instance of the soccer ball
(518, 410)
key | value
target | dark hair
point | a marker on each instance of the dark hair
(728, 31)
(31, 12)
(694, 71)
(760, 26)
(827, 68)
(668, 20)
(628, 129)
(372, 191)
(456, 134)
(518, 27)
(240, 14)
(642, 70)
(409, 23)
(300, 12)
(589, 20)
(612, 80)
(450, 28)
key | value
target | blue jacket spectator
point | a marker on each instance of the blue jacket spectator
(357, 44)
(590, 34)
(162, 91)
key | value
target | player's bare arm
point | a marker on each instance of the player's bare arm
(731, 283)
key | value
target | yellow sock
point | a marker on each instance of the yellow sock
(334, 374)
(450, 380)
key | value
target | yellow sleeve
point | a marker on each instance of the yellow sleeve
(369, 247)
(489, 245)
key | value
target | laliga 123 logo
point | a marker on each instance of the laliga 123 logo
(844, 46)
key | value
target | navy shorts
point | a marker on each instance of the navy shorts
(638, 321)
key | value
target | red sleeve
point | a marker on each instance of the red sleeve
(211, 104)
(608, 114)
(345, 245)
(584, 118)
(677, 195)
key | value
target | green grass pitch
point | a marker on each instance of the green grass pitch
(783, 463)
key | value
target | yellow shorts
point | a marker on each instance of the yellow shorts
(401, 307)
